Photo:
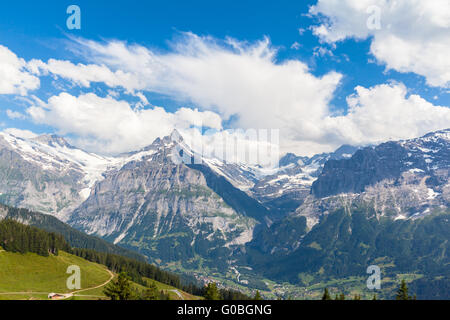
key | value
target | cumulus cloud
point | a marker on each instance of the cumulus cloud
(14, 75)
(225, 80)
(386, 112)
(413, 35)
(235, 79)
(231, 78)
(110, 126)
(245, 80)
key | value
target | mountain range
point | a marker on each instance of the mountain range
(313, 219)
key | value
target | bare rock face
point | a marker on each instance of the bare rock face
(400, 180)
(429, 154)
(405, 180)
(164, 210)
(286, 189)
(41, 175)
(143, 199)
(220, 216)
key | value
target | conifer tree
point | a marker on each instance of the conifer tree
(119, 289)
(151, 293)
(326, 295)
(257, 296)
(403, 292)
(212, 293)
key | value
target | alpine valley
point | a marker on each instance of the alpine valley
(315, 222)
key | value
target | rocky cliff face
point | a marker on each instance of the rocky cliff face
(287, 188)
(348, 240)
(46, 174)
(405, 180)
(429, 155)
(165, 210)
(219, 216)
(387, 205)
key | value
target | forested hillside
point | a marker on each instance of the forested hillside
(74, 238)
(15, 237)
(19, 238)
(344, 243)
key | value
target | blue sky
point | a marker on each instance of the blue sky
(37, 30)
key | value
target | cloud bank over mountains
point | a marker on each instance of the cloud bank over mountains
(111, 125)
(237, 84)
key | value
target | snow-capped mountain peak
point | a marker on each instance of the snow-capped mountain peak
(52, 140)
(55, 176)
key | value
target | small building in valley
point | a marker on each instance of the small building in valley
(55, 296)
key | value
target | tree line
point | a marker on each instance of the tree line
(122, 289)
(75, 238)
(138, 272)
(402, 294)
(20, 238)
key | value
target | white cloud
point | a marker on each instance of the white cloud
(228, 78)
(14, 76)
(414, 35)
(386, 112)
(322, 52)
(24, 134)
(244, 79)
(14, 114)
(296, 46)
(106, 125)
(231, 77)
(84, 75)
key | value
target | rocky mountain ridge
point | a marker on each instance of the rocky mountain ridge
(208, 215)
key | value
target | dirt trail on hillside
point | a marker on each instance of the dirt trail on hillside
(74, 293)
(66, 295)
(178, 294)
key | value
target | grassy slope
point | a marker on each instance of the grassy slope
(42, 275)
(75, 238)
(34, 277)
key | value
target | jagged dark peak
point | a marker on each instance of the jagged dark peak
(158, 143)
(175, 136)
(429, 154)
(291, 158)
(343, 152)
